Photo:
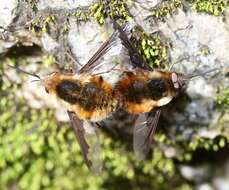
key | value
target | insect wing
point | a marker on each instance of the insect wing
(136, 59)
(106, 46)
(94, 151)
(144, 129)
(88, 142)
(140, 132)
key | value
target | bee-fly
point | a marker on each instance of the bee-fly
(89, 96)
(144, 92)
(90, 99)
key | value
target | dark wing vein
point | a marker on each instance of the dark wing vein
(88, 140)
(94, 151)
(93, 62)
(143, 132)
(136, 59)
(79, 132)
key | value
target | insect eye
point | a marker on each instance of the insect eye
(53, 74)
(177, 80)
(174, 78)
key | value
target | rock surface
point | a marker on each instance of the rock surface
(8, 10)
(62, 4)
(199, 42)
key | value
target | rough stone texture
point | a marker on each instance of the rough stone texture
(190, 33)
(189, 36)
(4, 46)
(8, 11)
(140, 12)
(62, 4)
(198, 174)
(48, 43)
(200, 42)
(21, 37)
(84, 39)
(84, 45)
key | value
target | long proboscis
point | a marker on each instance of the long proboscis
(200, 74)
(26, 72)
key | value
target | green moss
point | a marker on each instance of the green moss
(42, 24)
(223, 99)
(39, 153)
(166, 8)
(81, 15)
(47, 21)
(48, 60)
(118, 10)
(115, 9)
(152, 48)
(185, 148)
(98, 13)
(32, 4)
(216, 144)
(215, 7)
(185, 187)
(204, 51)
(35, 152)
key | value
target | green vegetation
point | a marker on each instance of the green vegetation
(32, 4)
(215, 7)
(38, 152)
(116, 10)
(208, 144)
(48, 60)
(223, 99)
(43, 23)
(153, 49)
(98, 13)
(35, 152)
(166, 8)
